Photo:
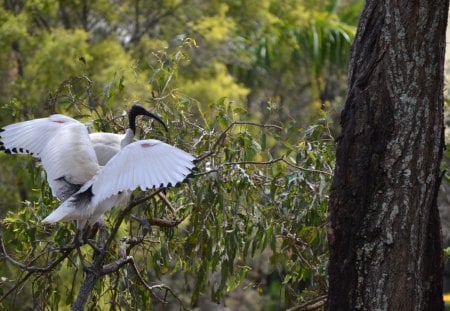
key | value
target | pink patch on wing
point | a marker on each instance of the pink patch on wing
(147, 145)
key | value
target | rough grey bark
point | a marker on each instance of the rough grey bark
(384, 235)
(86, 288)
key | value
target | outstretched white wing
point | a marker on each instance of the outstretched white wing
(31, 136)
(69, 160)
(62, 144)
(145, 164)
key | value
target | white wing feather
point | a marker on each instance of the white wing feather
(62, 144)
(144, 164)
(69, 157)
(32, 136)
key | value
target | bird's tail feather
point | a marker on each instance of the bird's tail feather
(76, 207)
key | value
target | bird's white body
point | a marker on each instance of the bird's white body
(106, 145)
(92, 173)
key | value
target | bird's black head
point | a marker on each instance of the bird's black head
(138, 110)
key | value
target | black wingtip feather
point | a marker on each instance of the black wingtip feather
(7, 151)
(1, 130)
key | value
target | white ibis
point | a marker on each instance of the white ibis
(73, 171)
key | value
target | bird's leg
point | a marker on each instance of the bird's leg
(102, 230)
(98, 247)
(99, 227)
(77, 243)
(78, 239)
(90, 234)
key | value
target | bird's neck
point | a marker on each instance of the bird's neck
(129, 134)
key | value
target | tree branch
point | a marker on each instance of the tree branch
(217, 169)
(33, 269)
(150, 288)
(222, 136)
(94, 272)
(167, 202)
(116, 265)
(277, 160)
(30, 269)
(313, 304)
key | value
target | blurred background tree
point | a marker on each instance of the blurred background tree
(251, 85)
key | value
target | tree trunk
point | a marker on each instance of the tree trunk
(86, 288)
(384, 235)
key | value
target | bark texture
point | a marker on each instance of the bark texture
(384, 235)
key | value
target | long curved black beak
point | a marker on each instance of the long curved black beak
(138, 110)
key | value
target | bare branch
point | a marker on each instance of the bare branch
(115, 265)
(144, 223)
(313, 304)
(131, 242)
(165, 223)
(169, 205)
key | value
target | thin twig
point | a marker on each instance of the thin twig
(217, 169)
(150, 288)
(16, 286)
(275, 161)
(306, 169)
(29, 269)
(169, 205)
(122, 215)
(33, 269)
(222, 136)
(205, 173)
